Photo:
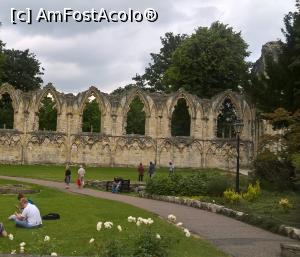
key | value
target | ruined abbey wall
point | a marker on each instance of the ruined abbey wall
(112, 147)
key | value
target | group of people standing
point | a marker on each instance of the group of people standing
(152, 170)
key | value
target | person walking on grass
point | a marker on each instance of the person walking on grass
(141, 171)
(67, 176)
(151, 170)
(81, 174)
(171, 168)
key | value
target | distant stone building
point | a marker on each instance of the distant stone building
(204, 147)
(271, 49)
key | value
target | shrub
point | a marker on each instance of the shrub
(200, 183)
(178, 185)
(217, 185)
(253, 192)
(113, 248)
(149, 245)
(231, 196)
(285, 204)
(268, 167)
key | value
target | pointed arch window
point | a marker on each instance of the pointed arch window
(136, 117)
(181, 119)
(225, 120)
(91, 115)
(6, 112)
(48, 113)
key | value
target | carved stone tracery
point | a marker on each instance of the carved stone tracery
(112, 146)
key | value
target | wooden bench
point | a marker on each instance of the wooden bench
(125, 185)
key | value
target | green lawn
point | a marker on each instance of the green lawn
(79, 215)
(56, 173)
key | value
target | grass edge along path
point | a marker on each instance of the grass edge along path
(79, 216)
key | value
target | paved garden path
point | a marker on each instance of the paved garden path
(231, 236)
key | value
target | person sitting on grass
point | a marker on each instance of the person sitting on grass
(19, 197)
(30, 216)
(2, 230)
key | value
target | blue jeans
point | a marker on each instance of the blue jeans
(24, 224)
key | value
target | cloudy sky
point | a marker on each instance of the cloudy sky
(107, 55)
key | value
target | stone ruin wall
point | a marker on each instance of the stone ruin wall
(25, 144)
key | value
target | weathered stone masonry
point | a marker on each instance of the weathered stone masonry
(112, 147)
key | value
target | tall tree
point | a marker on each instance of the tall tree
(2, 58)
(208, 62)
(91, 117)
(136, 118)
(48, 114)
(22, 70)
(279, 86)
(154, 73)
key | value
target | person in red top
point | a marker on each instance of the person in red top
(141, 171)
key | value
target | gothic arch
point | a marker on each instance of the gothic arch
(44, 92)
(129, 98)
(99, 98)
(189, 101)
(236, 102)
(12, 92)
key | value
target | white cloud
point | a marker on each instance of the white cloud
(76, 56)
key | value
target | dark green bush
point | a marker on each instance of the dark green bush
(269, 168)
(217, 185)
(200, 183)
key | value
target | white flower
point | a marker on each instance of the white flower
(179, 224)
(11, 237)
(22, 249)
(186, 230)
(131, 219)
(53, 254)
(119, 228)
(150, 221)
(47, 238)
(13, 252)
(138, 223)
(91, 240)
(213, 201)
(22, 244)
(108, 224)
(99, 226)
(172, 218)
(158, 236)
(187, 234)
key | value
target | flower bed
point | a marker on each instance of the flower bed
(212, 207)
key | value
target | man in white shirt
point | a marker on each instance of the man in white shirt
(30, 216)
(81, 173)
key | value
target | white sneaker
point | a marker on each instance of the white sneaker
(12, 217)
